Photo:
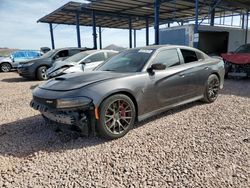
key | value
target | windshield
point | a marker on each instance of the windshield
(77, 57)
(127, 61)
(243, 49)
(49, 53)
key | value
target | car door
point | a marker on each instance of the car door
(196, 71)
(170, 86)
(94, 60)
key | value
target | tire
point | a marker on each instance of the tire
(114, 123)
(41, 73)
(228, 68)
(212, 89)
(5, 67)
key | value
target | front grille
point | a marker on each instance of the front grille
(47, 102)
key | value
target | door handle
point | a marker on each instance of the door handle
(206, 68)
(182, 75)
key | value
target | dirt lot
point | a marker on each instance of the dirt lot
(197, 145)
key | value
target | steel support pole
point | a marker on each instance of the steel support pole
(247, 17)
(78, 29)
(100, 37)
(130, 32)
(52, 35)
(156, 20)
(212, 17)
(134, 38)
(196, 27)
(243, 21)
(94, 30)
(147, 32)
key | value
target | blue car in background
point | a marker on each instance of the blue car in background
(12, 62)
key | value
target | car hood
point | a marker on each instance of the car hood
(58, 64)
(237, 58)
(5, 59)
(78, 80)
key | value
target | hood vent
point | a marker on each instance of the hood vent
(60, 78)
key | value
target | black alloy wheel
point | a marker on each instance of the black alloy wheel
(212, 89)
(117, 116)
(5, 67)
(42, 73)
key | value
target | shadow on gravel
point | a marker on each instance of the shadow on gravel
(12, 80)
(33, 87)
(170, 112)
(28, 136)
(237, 87)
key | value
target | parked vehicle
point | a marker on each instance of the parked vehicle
(129, 87)
(81, 62)
(238, 63)
(36, 69)
(12, 62)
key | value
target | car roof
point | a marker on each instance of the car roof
(156, 47)
(72, 48)
(93, 51)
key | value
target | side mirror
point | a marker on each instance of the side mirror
(157, 66)
(86, 61)
(56, 57)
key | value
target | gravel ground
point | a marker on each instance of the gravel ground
(196, 145)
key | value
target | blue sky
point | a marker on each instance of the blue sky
(19, 27)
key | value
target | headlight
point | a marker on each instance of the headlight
(58, 72)
(73, 102)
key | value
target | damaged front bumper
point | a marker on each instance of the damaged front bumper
(82, 117)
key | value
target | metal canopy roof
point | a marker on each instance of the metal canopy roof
(116, 13)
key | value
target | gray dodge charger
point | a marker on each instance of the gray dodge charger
(130, 87)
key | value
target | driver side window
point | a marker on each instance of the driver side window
(169, 58)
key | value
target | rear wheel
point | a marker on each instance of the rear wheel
(117, 116)
(5, 67)
(41, 73)
(212, 89)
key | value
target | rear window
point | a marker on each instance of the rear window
(189, 56)
(243, 49)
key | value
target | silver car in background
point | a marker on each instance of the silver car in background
(81, 62)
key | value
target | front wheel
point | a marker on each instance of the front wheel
(212, 89)
(5, 67)
(117, 116)
(41, 73)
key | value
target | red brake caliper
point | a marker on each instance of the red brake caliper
(122, 109)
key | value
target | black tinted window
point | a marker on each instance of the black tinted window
(189, 56)
(74, 51)
(97, 57)
(168, 57)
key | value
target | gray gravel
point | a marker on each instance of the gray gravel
(197, 145)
